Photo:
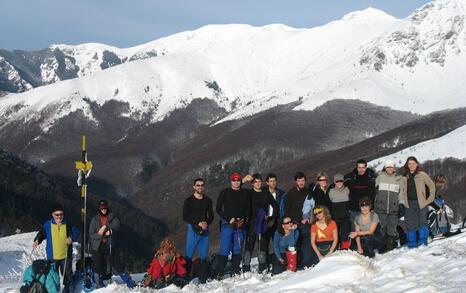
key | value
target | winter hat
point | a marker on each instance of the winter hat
(56, 208)
(235, 176)
(389, 163)
(338, 177)
(103, 204)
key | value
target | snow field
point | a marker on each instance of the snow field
(439, 267)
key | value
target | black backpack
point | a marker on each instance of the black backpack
(39, 267)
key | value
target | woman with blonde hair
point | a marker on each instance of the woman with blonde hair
(167, 267)
(324, 233)
(319, 190)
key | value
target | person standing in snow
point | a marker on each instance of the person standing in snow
(418, 193)
(361, 183)
(324, 234)
(339, 196)
(261, 201)
(103, 235)
(199, 214)
(367, 234)
(319, 190)
(298, 207)
(233, 207)
(59, 235)
(272, 223)
(439, 213)
(389, 187)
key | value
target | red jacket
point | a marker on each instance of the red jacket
(157, 271)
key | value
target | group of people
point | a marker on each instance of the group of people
(290, 230)
(296, 229)
(59, 235)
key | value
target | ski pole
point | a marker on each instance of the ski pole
(29, 256)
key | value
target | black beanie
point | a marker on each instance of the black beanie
(57, 207)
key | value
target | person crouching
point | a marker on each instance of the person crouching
(167, 267)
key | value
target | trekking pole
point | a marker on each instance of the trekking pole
(29, 256)
(239, 245)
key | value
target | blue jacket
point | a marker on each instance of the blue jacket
(52, 282)
(56, 247)
(282, 242)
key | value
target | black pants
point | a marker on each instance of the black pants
(104, 261)
(304, 246)
(65, 268)
(371, 242)
(252, 238)
(344, 226)
(277, 266)
(324, 248)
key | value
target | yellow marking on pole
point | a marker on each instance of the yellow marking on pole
(83, 166)
(84, 142)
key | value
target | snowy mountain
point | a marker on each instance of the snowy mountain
(451, 145)
(407, 64)
(439, 267)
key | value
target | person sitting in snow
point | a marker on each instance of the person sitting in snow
(367, 234)
(284, 241)
(167, 267)
(324, 234)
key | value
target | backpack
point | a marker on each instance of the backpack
(39, 267)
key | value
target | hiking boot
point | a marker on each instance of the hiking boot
(235, 261)
(389, 243)
(220, 269)
(203, 270)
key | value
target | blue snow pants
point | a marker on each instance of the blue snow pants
(231, 238)
(195, 241)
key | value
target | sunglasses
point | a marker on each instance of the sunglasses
(338, 181)
(199, 185)
(322, 179)
(365, 205)
(58, 215)
(286, 223)
(317, 212)
(236, 180)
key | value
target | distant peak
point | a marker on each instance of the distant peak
(368, 13)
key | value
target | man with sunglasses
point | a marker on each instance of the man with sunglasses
(59, 235)
(339, 196)
(234, 208)
(102, 229)
(199, 214)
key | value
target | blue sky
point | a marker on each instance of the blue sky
(35, 24)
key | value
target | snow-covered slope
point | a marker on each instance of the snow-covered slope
(452, 145)
(409, 64)
(439, 267)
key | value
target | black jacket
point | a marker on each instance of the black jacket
(294, 203)
(262, 200)
(320, 196)
(360, 186)
(234, 204)
(198, 210)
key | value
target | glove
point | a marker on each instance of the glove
(401, 210)
(148, 280)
